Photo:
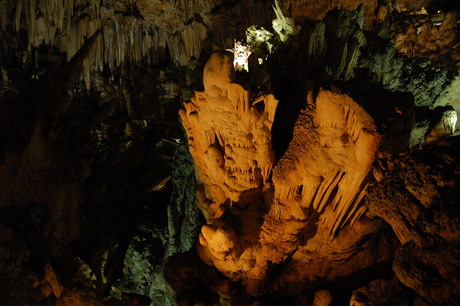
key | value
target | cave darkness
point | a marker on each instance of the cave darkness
(139, 166)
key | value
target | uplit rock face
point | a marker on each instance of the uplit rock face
(98, 191)
(317, 213)
(310, 208)
(330, 173)
(229, 137)
(230, 141)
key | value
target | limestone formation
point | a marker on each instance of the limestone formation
(284, 26)
(322, 298)
(51, 283)
(381, 292)
(229, 138)
(444, 123)
(126, 35)
(436, 41)
(316, 10)
(318, 165)
(421, 196)
(256, 215)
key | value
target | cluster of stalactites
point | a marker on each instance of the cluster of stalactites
(284, 26)
(125, 37)
(430, 40)
(261, 42)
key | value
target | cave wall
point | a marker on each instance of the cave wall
(139, 166)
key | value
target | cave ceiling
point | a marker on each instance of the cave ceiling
(229, 152)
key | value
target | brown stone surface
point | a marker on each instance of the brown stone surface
(322, 298)
(418, 198)
(78, 298)
(381, 292)
(51, 283)
(436, 41)
(309, 211)
(316, 10)
(97, 188)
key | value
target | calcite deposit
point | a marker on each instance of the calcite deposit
(314, 162)
(419, 201)
(311, 202)
(433, 40)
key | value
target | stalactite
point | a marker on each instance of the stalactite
(317, 44)
(66, 23)
(428, 40)
(17, 23)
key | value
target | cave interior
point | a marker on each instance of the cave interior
(229, 152)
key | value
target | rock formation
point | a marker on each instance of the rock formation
(429, 196)
(312, 200)
(433, 41)
(315, 164)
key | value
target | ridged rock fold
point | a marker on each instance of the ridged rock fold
(307, 206)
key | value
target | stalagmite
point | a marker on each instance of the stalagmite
(227, 134)
(346, 146)
(323, 175)
(444, 124)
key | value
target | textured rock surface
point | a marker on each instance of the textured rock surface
(418, 199)
(98, 189)
(436, 42)
(381, 292)
(316, 10)
(229, 137)
(310, 209)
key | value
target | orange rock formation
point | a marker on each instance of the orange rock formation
(436, 42)
(308, 207)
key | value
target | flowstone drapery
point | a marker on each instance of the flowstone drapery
(308, 207)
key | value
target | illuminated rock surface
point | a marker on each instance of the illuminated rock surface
(311, 208)
(436, 42)
(138, 168)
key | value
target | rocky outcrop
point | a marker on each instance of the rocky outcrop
(417, 198)
(309, 209)
(433, 40)
(381, 292)
(98, 189)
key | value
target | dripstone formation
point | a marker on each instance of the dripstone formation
(163, 152)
